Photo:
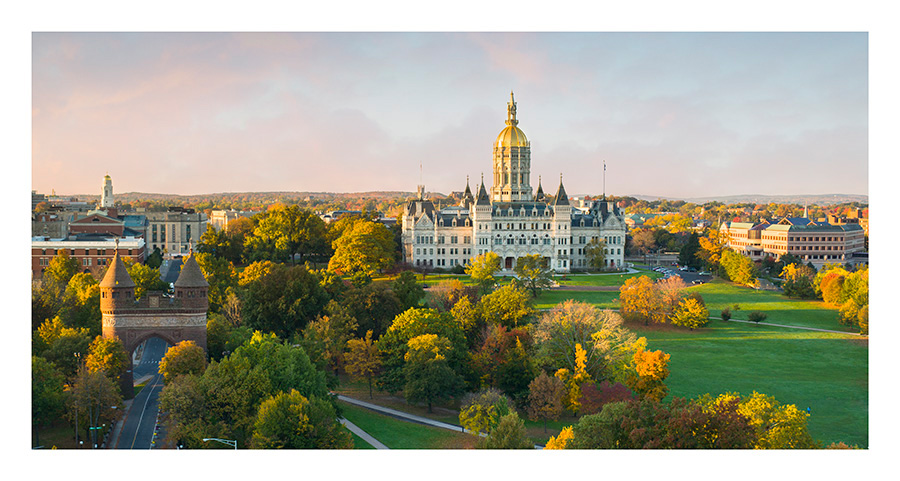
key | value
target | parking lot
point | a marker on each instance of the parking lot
(689, 276)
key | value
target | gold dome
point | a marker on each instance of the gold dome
(511, 136)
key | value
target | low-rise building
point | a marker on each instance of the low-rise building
(93, 252)
(172, 231)
(817, 242)
(219, 219)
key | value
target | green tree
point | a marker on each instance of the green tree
(291, 421)
(283, 301)
(480, 412)
(510, 433)
(429, 377)
(224, 401)
(737, 268)
(285, 232)
(365, 247)
(374, 306)
(534, 273)
(47, 400)
(507, 306)
(595, 252)
(393, 345)
(93, 400)
(687, 256)
(220, 275)
(362, 359)
(482, 270)
(60, 344)
(145, 278)
(81, 303)
(60, 269)
(223, 337)
(186, 357)
(798, 281)
(408, 291)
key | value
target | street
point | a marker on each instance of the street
(140, 422)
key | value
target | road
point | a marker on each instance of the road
(140, 422)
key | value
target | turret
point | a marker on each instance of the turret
(116, 288)
(191, 287)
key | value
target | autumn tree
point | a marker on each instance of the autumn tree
(220, 275)
(798, 281)
(59, 271)
(444, 295)
(366, 247)
(60, 345)
(561, 440)
(776, 425)
(574, 379)
(482, 269)
(608, 344)
(533, 272)
(738, 268)
(186, 357)
(326, 337)
(711, 247)
(362, 359)
(690, 313)
(291, 421)
(545, 398)
(596, 395)
(641, 301)
(651, 371)
(81, 303)
(108, 355)
(429, 378)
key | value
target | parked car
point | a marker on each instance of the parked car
(697, 281)
(703, 273)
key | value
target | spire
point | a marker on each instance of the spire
(561, 197)
(483, 198)
(539, 195)
(191, 275)
(511, 110)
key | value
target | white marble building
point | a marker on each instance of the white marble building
(510, 221)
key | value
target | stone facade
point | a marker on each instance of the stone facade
(512, 221)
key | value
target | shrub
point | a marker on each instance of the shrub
(726, 314)
(757, 316)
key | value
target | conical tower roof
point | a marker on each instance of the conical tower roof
(117, 274)
(540, 191)
(483, 198)
(191, 275)
(561, 197)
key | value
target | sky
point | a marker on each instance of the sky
(672, 114)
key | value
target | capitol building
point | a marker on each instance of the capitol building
(510, 219)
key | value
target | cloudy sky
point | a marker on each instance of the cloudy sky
(672, 114)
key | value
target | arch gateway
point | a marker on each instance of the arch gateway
(173, 319)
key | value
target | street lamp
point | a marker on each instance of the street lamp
(229, 442)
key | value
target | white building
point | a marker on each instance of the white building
(512, 221)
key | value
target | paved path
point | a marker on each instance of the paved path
(364, 435)
(409, 417)
(790, 327)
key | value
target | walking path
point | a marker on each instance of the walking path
(409, 417)
(790, 327)
(364, 435)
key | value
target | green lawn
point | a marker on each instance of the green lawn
(397, 434)
(358, 442)
(601, 279)
(547, 299)
(827, 372)
(779, 308)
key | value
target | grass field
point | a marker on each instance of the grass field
(397, 434)
(602, 299)
(358, 442)
(827, 372)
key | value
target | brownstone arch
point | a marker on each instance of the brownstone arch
(173, 319)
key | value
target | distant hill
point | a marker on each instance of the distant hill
(813, 199)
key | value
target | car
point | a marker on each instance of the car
(697, 281)
(703, 273)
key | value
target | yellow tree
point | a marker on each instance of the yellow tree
(107, 355)
(482, 269)
(651, 370)
(560, 441)
(361, 359)
(640, 300)
(574, 379)
(505, 306)
(711, 246)
(690, 313)
(777, 426)
(186, 357)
